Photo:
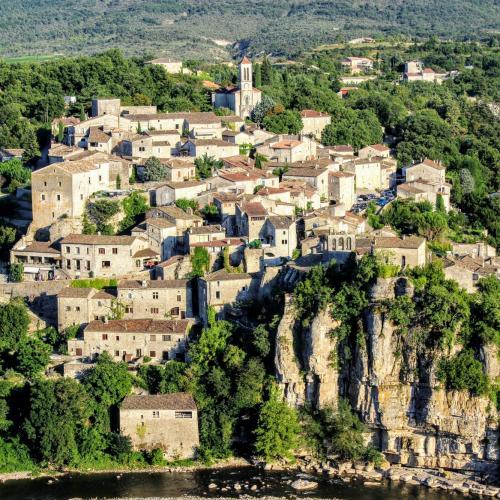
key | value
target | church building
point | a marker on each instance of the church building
(241, 99)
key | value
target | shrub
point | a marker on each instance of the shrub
(16, 272)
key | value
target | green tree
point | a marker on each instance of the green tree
(206, 165)
(286, 122)
(185, 204)
(154, 170)
(278, 431)
(258, 76)
(60, 132)
(134, 208)
(16, 272)
(200, 262)
(267, 72)
(58, 412)
(33, 356)
(14, 322)
(260, 160)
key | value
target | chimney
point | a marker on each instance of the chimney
(144, 284)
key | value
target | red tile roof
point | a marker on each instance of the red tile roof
(174, 401)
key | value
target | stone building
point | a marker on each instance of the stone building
(87, 256)
(280, 233)
(314, 122)
(220, 290)
(40, 259)
(132, 339)
(180, 170)
(288, 148)
(211, 147)
(62, 189)
(467, 270)
(250, 219)
(316, 176)
(380, 150)
(155, 299)
(80, 306)
(356, 65)
(165, 421)
(367, 171)
(408, 251)
(341, 188)
(171, 191)
(241, 99)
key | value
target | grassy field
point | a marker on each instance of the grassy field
(30, 59)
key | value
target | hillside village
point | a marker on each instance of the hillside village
(232, 212)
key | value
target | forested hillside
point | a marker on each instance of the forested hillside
(195, 28)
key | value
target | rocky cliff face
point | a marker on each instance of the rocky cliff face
(393, 388)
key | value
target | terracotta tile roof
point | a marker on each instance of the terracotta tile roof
(427, 70)
(430, 163)
(248, 175)
(340, 174)
(343, 148)
(152, 133)
(227, 197)
(146, 252)
(245, 60)
(69, 167)
(96, 239)
(379, 147)
(75, 293)
(304, 172)
(136, 284)
(254, 209)
(231, 119)
(97, 135)
(160, 222)
(228, 242)
(281, 221)
(212, 142)
(209, 229)
(184, 184)
(223, 275)
(239, 161)
(311, 113)
(104, 295)
(388, 242)
(175, 401)
(192, 118)
(39, 247)
(176, 163)
(210, 85)
(409, 188)
(139, 326)
(285, 144)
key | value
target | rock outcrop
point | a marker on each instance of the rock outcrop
(393, 388)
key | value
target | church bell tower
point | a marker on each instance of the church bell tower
(245, 86)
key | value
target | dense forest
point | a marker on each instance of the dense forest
(179, 29)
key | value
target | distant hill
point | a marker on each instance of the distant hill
(202, 28)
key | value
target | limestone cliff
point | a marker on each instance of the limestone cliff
(393, 387)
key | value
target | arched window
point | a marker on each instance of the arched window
(341, 243)
(348, 243)
(334, 244)
(247, 100)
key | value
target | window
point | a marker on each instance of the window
(167, 338)
(87, 265)
(138, 263)
(68, 264)
(129, 295)
(68, 249)
(117, 337)
(117, 353)
(68, 308)
(179, 298)
(142, 148)
(403, 261)
(155, 295)
(475, 277)
(284, 242)
(102, 251)
(129, 309)
(174, 311)
(217, 294)
(58, 197)
(77, 308)
(152, 338)
(43, 197)
(115, 251)
(152, 354)
(77, 250)
(154, 310)
(183, 414)
(106, 264)
(104, 336)
(45, 184)
(100, 178)
(156, 414)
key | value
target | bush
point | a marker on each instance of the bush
(154, 170)
(16, 272)
(97, 283)
(463, 372)
(155, 457)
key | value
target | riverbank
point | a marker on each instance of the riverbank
(308, 473)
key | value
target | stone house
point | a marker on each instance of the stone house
(86, 255)
(132, 339)
(355, 65)
(40, 259)
(170, 65)
(157, 299)
(317, 177)
(341, 150)
(62, 189)
(367, 173)
(165, 421)
(246, 180)
(233, 122)
(161, 235)
(202, 234)
(240, 99)
(380, 150)
(280, 233)
(314, 122)
(211, 147)
(238, 137)
(423, 190)
(250, 218)
(215, 249)
(468, 270)
(341, 188)
(288, 149)
(479, 249)
(220, 290)
(75, 134)
(239, 162)
(180, 170)
(427, 170)
(98, 140)
(175, 190)
(80, 306)
(404, 252)
(302, 194)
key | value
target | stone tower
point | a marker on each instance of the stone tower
(246, 87)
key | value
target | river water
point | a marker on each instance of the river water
(195, 483)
